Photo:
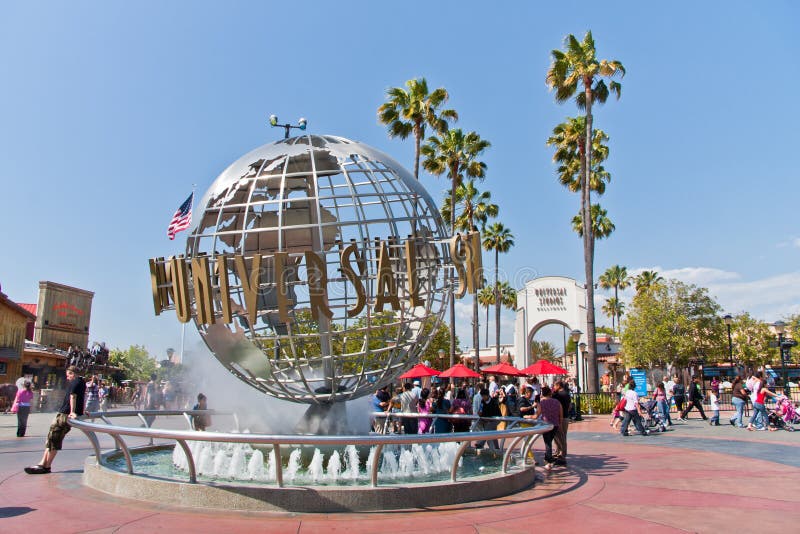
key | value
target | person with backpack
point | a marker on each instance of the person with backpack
(695, 401)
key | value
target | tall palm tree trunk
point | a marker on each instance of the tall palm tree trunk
(487, 325)
(497, 301)
(476, 340)
(616, 308)
(454, 179)
(591, 381)
(417, 140)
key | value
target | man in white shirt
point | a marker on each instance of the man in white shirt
(408, 404)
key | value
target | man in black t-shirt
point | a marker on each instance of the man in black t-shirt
(71, 407)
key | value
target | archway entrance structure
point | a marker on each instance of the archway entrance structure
(543, 301)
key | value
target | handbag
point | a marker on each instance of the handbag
(15, 407)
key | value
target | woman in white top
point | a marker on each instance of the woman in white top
(632, 411)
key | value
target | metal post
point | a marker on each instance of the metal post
(578, 369)
(730, 346)
(784, 356)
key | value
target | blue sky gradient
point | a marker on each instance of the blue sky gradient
(112, 110)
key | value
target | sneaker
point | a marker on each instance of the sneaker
(37, 470)
(560, 461)
(732, 423)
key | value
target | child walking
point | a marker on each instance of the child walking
(713, 402)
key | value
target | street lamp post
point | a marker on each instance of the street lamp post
(784, 349)
(576, 336)
(728, 321)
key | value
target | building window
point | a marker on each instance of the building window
(3, 368)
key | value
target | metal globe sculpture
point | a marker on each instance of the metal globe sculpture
(332, 255)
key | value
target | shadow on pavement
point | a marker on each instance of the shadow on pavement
(14, 511)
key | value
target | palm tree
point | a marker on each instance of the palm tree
(455, 153)
(474, 207)
(486, 299)
(645, 280)
(544, 350)
(602, 226)
(569, 140)
(410, 111)
(576, 66)
(614, 308)
(500, 239)
(615, 277)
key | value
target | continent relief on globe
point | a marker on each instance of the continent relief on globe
(171, 279)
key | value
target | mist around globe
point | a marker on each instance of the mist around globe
(334, 260)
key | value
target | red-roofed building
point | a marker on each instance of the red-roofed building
(29, 327)
(13, 319)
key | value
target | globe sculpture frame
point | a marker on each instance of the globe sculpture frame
(331, 261)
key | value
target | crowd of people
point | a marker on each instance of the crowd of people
(754, 390)
(491, 401)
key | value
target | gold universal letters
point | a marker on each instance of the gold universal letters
(203, 292)
(169, 280)
(180, 288)
(352, 277)
(159, 280)
(317, 285)
(250, 283)
(385, 281)
(280, 287)
(411, 272)
(221, 270)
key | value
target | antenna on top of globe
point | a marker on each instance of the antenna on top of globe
(301, 125)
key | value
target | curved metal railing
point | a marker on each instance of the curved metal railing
(525, 436)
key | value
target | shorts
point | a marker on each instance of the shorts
(58, 429)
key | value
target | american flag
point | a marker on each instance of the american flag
(182, 218)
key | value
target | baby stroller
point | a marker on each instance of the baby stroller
(654, 419)
(784, 415)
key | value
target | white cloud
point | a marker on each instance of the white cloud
(701, 276)
(766, 298)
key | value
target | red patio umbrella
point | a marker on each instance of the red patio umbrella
(420, 370)
(460, 370)
(502, 369)
(543, 367)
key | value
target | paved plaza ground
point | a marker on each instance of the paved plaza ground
(695, 478)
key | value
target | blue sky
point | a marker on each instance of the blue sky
(110, 111)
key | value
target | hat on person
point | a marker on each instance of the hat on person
(416, 382)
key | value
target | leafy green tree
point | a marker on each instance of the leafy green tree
(616, 278)
(454, 153)
(671, 324)
(646, 280)
(439, 341)
(499, 239)
(751, 339)
(135, 362)
(408, 111)
(602, 226)
(577, 67)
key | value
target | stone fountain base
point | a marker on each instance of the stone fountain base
(323, 499)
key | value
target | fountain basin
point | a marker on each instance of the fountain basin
(249, 496)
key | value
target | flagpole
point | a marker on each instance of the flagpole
(183, 325)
